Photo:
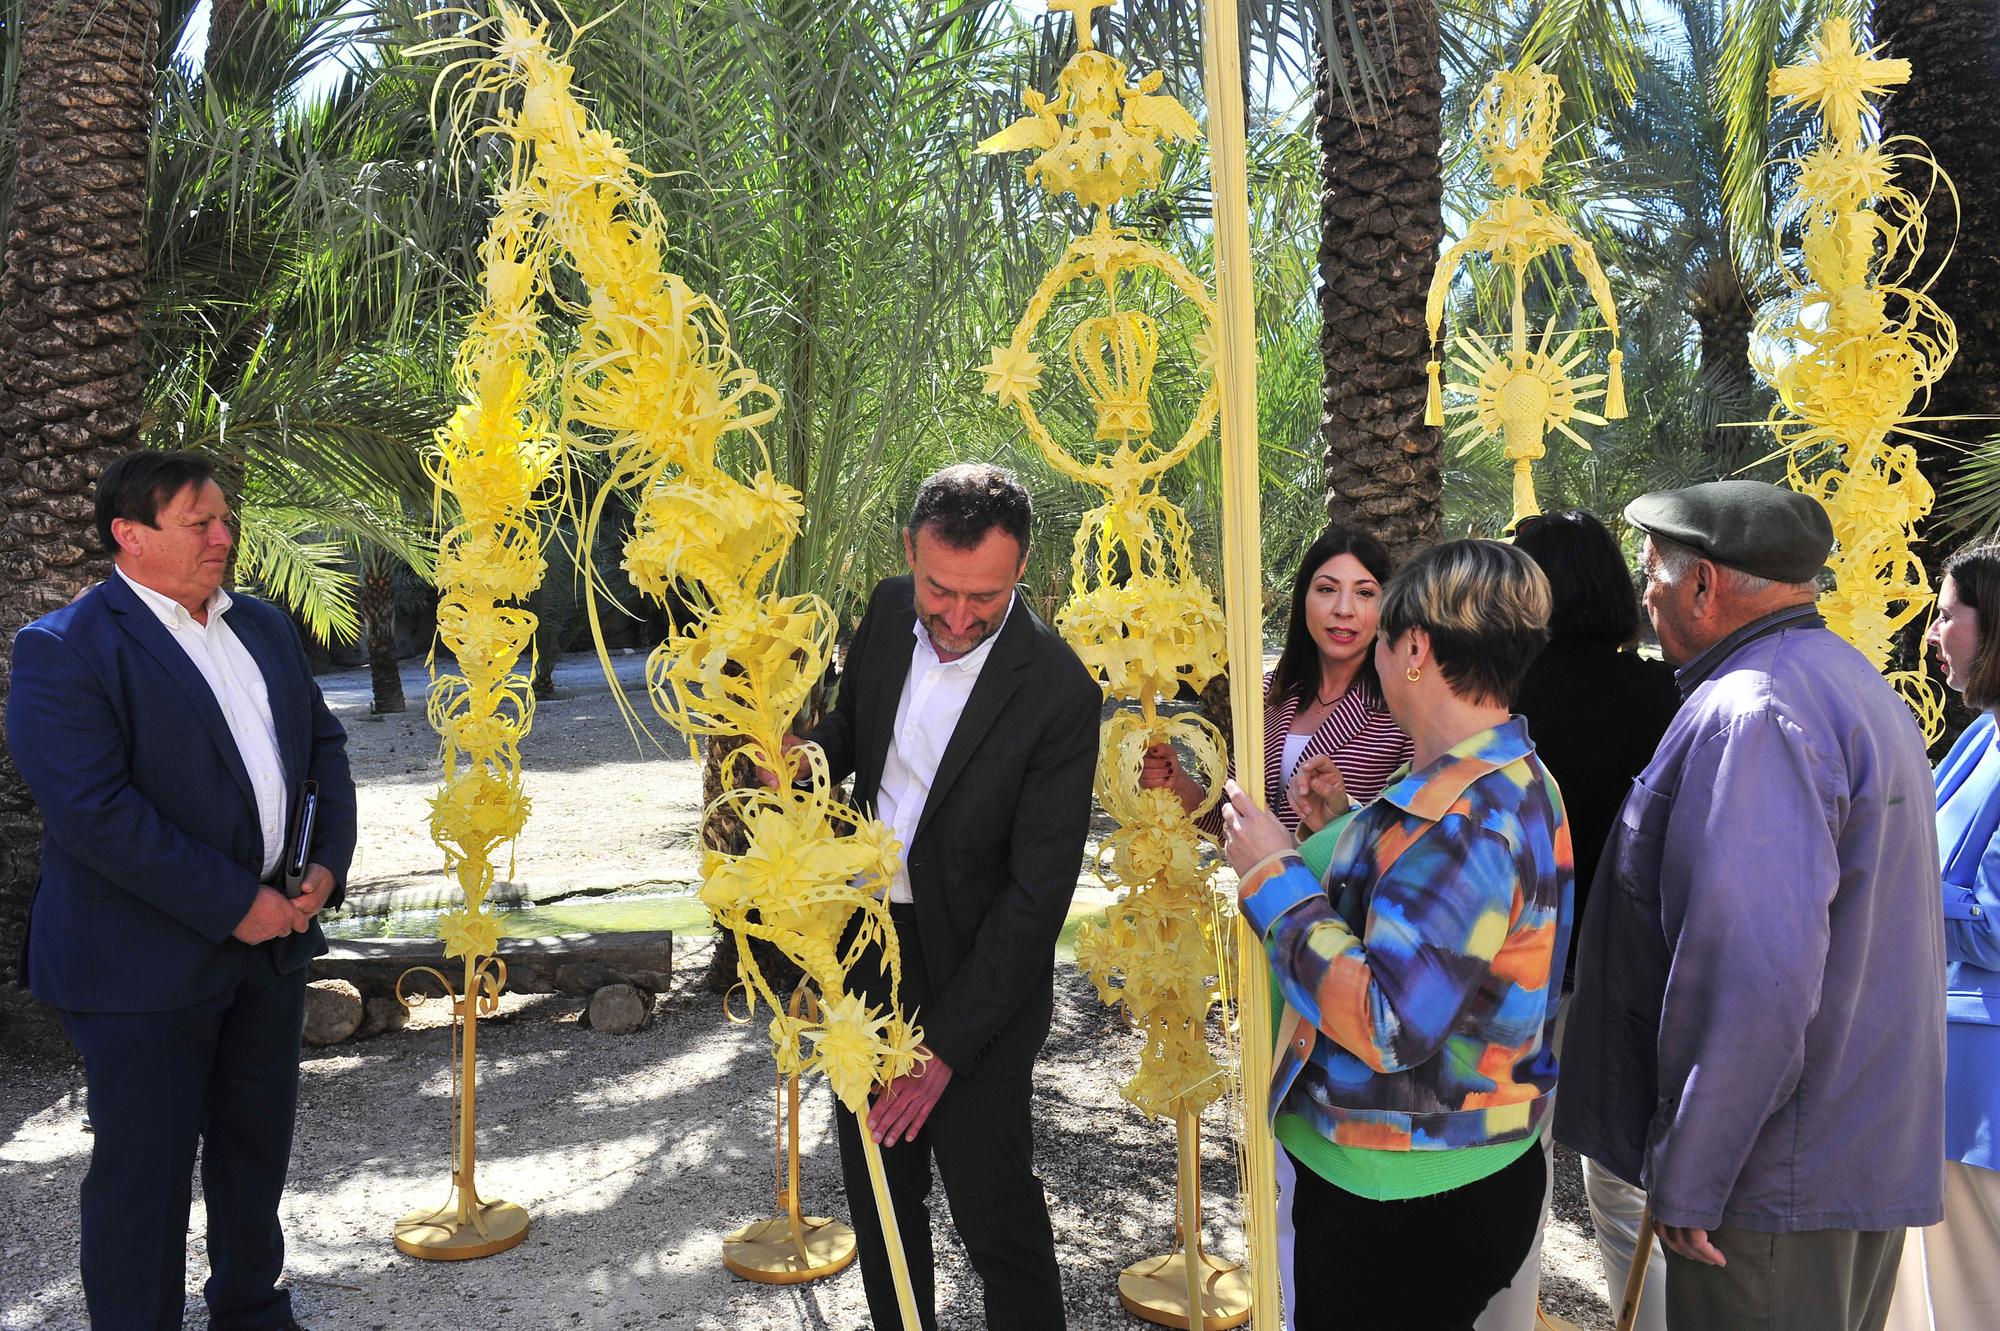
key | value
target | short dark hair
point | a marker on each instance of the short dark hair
(1594, 599)
(960, 504)
(134, 486)
(1975, 572)
(1298, 664)
(1485, 606)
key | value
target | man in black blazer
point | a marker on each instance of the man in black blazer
(971, 728)
(165, 727)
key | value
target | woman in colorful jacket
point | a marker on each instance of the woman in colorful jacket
(1416, 1060)
(1324, 718)
(1950, 1276)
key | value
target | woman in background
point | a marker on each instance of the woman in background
(1596, 709)
(1323, 709)
(1327, 730)
(1950, 1277)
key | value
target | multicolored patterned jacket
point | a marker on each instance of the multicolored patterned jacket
(1425, 958)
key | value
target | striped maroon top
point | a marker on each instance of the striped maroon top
(1357, 733)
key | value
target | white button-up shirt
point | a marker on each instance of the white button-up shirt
(934, 697)
(239, 689)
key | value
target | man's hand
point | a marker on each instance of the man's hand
(1318, 792)
(315, 891)
(792, 745)
(271, 915)
(899, 1112)
(1692, 1244)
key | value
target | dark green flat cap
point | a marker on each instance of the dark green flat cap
(1764, 530)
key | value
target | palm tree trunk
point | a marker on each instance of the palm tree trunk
(1954, 53)
(1381, 213)
(378, 618)
(70, 358)
(1723, 319)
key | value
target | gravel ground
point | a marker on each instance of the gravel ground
(634, 1154)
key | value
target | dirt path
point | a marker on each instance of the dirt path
(634, 1154)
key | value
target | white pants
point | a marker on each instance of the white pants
(1617, 1209)
(1950, 1277)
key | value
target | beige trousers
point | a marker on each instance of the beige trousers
(1949, 1279)
(1617, 1209)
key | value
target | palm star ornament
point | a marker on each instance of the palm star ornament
(1855, 346)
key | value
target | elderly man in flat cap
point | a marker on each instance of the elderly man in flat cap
(1757, 1036)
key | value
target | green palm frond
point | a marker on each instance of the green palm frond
(279, 553)
(1758, 37)
(1591, 45)
(1970, 504)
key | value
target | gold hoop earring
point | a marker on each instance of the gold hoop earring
(1413, 674)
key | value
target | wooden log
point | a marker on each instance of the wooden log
(619, 1009)
(578, 964)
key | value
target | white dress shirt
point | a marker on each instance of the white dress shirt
(239, 689)
(934, 696)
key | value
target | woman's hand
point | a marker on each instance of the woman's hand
(1162, 770)
(1250, 832)
(1318, 792)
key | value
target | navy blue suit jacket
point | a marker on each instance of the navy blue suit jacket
(151, 845)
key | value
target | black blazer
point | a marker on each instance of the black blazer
(995, 858)
(1596, 715)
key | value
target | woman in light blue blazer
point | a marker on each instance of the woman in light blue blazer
(1950, 1276)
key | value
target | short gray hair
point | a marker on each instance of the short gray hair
(1674, 561)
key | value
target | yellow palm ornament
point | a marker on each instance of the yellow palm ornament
(1137, 615)
(1520, 388)
(498, 461)
(655, 386)
(1855, 348)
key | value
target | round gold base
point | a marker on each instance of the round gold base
(1155, 1290)
(439, 1236)
(764, 1250)
(1548, 1321)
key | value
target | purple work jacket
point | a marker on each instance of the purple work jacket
(1757, 1036)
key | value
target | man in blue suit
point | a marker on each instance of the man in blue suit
(165, 727)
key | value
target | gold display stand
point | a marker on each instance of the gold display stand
(790, 1247)
(1166, 1290)
(466, 1226)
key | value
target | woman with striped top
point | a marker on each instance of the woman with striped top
(1324, 718)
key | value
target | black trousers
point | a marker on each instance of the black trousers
(224, 1073)
(981, 1136)
(1426, 1264)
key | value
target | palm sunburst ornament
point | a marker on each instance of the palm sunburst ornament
(1519, 389)
(1521, 396)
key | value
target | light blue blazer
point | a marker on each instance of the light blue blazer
(1972, 890)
